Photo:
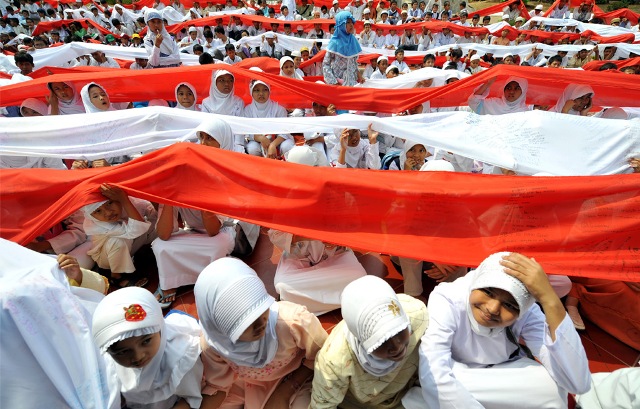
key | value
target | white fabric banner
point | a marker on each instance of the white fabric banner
(527, 142)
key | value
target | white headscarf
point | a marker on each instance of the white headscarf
(269, 109)
(134, 311)
(439, 165)
(373, 315)
(35, 104)
(72, 106)
(572, 91)
(229, 297)
(166, 48)
(282, 74)
(500, 106)
(407, 147)
(491, 274)
(195, 97)
(306, 155)
(120, 228)
(219, 130)
(86, 100)
(219, 103)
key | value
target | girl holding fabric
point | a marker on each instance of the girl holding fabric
(162, 51)
(182, 253)
(576, 99)
(354, 152)
(257, 353)
(33, 107)
(471, 355)
(514, 98)
(311, 272)
(221, 99)
(340, 64)
(95, 99)
(370, 358)
(261, 106)
(186, 97)
(118, 228)
(288, 68)
(64, 99)
(155, 360)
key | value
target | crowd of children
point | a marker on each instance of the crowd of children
(488, 337)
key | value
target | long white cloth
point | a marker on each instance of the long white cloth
(588, 146)
(47, 355)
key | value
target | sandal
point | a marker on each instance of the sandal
(574, 314)
(129, 281)
(165, 300)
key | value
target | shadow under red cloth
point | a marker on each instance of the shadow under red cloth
(578, 226)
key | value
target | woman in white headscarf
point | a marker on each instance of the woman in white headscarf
(471, 355)
(576, 99)
(221, 99)
(182, 253)
(262, 106)
(156, 360)
(162, 50)
(95, 99)
(256, 352)
(311, 272)
(186, 97)
(370, 358)
(64, 99)
(513, 99)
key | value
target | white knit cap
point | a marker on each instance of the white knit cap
(490, 273)
(306, 155)
(437, 166)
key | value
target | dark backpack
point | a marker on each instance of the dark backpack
(389, 158)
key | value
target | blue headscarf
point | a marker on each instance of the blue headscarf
(342, 42)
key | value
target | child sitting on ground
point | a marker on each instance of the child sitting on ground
(118, 229)
(156, 360)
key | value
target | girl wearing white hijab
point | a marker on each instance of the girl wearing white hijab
(156, 360)
(186, 97)
(352, 151)
(95, 99)
(118, 227)
(182, 253)
(311, 272)
(162, 50)
(33, 107)
(288, 68)
(576, 99)
(256, 352)
(470, 356)
(262, 106)
(221, 99)
(370, 358)
(64, 99)
(513, 98)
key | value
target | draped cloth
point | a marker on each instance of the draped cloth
(576, 226)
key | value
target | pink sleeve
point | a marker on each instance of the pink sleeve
(218, 375)
(307, 331)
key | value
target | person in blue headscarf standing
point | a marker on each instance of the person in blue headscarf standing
(340, 64)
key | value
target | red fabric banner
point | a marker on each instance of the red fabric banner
(595, 65)
(582, 226)
(545, 87)
(47, 26)
(573, 4)
(629, 14)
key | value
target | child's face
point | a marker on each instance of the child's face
(26, 111)
(395, 348)
(185, 96)
(108, 212)
(260, 93)
(417, 153)
(155, 25)
(383, 65)
(99, 98)
(429, 63)
(400, 57)
(288, 68)
(208, 140)
(62, 91)
(135, 352)
(231, 54)
(256, 330)
(493, 307)
(354, 137)
(224, 83)
(512, 91)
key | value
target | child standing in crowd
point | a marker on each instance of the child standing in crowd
(156, 360)
(118, 229)
(340, 64)
(256, 352)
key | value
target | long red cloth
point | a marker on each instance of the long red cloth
(583, 226)
(630, 14)
(545, 87)
(595, 65)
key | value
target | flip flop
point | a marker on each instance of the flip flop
(163, 300)
(131, 281)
